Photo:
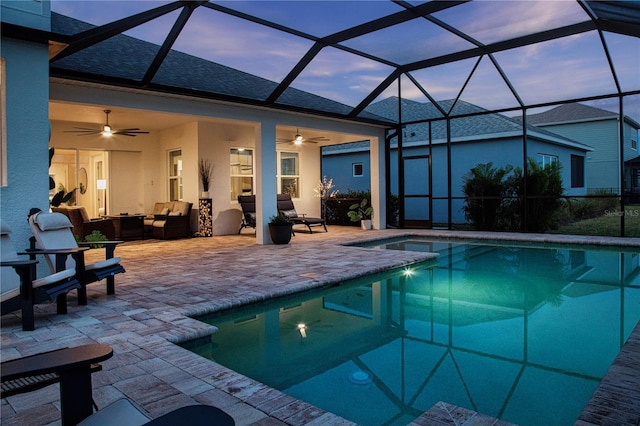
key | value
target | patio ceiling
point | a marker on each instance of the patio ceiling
(336, 58)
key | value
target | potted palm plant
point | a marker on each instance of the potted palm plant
(280, 229)
(361, 212)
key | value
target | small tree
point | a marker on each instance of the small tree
(324, 190)
(484, 187)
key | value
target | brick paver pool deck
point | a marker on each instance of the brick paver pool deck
(167, 281)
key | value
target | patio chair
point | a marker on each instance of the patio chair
(248, 205)
(52, 233)
(20, 288)
(72, 369)
(287, 208)
(83, 225)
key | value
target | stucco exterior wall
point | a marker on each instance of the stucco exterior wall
(27, 132)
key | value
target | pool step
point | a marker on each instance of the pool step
(448, 414)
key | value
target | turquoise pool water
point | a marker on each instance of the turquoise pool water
(522, 333)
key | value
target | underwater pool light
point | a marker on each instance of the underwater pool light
(302, 328)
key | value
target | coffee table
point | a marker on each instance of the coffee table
(128, 226)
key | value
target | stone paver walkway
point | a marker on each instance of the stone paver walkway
(168, 281)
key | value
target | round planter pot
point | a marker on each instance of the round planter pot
(365, 224)
(280, 234)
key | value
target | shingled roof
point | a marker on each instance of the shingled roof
(570, 113)
(463, 128)
(468, 128)
(126, 58)
(575, 113)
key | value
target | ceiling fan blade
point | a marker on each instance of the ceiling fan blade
(87, 129)
(83, 132)
(131, 131)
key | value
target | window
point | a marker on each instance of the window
(546, 159)
(175, 175)
(357, 169)
(289, 174)
(634, 144)
(241, 161)
(577, 171)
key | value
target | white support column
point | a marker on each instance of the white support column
(265, 185)
(378, 187)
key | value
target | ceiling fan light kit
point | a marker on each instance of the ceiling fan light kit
(106, 129)
(298, 139)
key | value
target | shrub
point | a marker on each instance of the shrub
(279, 219)
(484, 188)
(95, 237)
(544, 197)
(338, 207)
(587, 208)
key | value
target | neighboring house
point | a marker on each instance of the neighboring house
(599, 129)
(476, 139)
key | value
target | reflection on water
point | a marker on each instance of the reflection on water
(520, 333)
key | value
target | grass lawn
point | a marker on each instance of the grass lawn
(605, 225)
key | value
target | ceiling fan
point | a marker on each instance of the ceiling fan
(298, 139)
(106, 130)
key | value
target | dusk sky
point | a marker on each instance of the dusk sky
(566, 68)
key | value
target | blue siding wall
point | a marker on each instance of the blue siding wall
(340, 168)
(464, 156)
(602, 168)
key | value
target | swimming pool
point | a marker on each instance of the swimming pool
(514, 331)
